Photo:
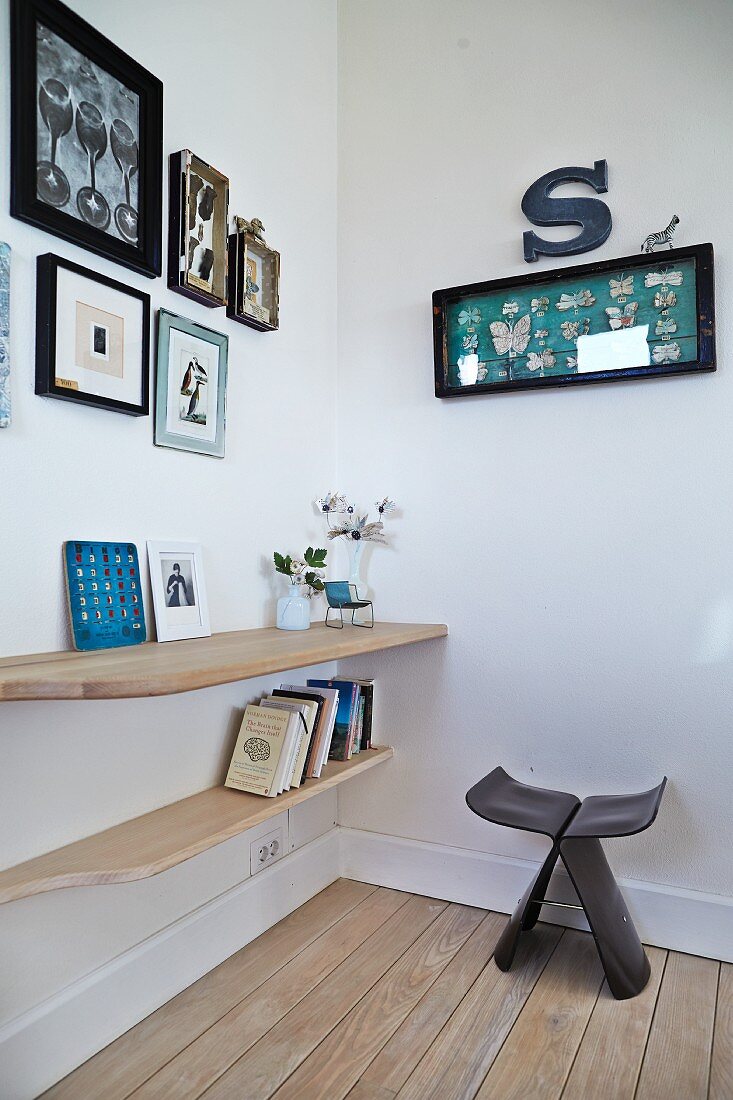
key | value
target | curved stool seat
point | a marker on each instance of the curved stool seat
(505, 801)
(608, 815)
(574, 827)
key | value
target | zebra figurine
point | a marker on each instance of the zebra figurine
(655, 240)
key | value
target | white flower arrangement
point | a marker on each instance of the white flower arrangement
(351, 524)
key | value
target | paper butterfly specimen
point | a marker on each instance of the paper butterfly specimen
(510, 308)
(665, 326)
(572, 362)
(623, 286)
(571, 330)
(472, 314)
(539, 305)
(537, 360)
(665, 299)
(622, 319)
(575, 301)
(663, 278)
(666, 353)
(470, 343)
(511, 338)
(541, 334)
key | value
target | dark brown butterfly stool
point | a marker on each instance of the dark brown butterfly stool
(575, 829)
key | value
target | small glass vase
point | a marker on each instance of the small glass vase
(293, 611)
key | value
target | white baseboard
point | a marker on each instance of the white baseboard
(665, 916)
(43, 1045)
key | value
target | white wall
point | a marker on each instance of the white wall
(252, 89)
(577, 542)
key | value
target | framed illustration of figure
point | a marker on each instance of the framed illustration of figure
(191, 386)
(86, 137)
(179, 591)
(92, 338)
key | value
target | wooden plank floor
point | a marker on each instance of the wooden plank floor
(373, 994)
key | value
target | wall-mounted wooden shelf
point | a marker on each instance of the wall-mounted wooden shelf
(162, 838)
(171, 667)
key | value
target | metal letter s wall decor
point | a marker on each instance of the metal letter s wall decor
(592, 215)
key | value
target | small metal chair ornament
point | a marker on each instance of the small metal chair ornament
(339, 595)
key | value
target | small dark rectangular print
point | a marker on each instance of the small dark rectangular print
(638, 316)
(86, 138)
(99, 340)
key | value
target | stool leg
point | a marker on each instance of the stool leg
(539, 889)
(622, 955)
(526, 914)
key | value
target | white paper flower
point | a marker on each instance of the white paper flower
(385, 506)
(297, 566)
(332, 502)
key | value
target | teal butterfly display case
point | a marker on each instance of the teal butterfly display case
(635, 317)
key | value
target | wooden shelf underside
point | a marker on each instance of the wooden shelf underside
(165, 837)
(171, 667)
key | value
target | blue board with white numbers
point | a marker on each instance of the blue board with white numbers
(105, 597)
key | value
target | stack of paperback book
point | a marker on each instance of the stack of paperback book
(292, 733)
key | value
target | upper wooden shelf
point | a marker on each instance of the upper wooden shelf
(163, 838)
(167, 668)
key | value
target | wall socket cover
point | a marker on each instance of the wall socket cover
(265, 851)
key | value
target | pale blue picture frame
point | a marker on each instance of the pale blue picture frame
(164, 437)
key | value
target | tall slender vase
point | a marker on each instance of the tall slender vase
(356, 547)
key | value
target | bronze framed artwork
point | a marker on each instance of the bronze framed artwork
(197, 235)
(254, 277)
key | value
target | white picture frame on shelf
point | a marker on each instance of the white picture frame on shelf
(179, 590)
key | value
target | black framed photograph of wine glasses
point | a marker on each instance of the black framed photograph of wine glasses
(86, 138)
(92, 338)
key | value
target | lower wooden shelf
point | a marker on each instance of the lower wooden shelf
(168, 836)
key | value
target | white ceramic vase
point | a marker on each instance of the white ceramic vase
(293, 611)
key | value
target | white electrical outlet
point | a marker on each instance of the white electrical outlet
(265, 851)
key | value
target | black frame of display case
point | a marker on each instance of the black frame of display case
(705, 362)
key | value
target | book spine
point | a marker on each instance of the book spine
(366, 733)
(353, 719)
(358, 744)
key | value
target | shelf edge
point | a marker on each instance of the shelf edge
(59, 880)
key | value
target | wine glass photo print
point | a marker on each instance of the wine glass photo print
(86, 142)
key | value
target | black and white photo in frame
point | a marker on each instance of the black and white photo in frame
(86, 137)
(179, 591)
